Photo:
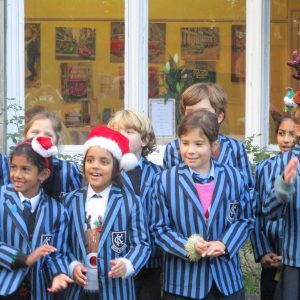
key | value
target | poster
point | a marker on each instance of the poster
(200, 43)
(75, 43)
(117, 42)
(202, 71)
(32, 55)
(157, 43)
(238, 53)
(76, 81)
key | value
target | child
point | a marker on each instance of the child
(230, 151)
(32, 227)
(201, 225)
(283, 201)
(267, 236)
(65, 176)
(4, 170)
(138, 129)
(108, 236)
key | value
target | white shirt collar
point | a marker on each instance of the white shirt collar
(34, 201)
(104, 193)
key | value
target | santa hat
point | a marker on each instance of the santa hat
(114, 142)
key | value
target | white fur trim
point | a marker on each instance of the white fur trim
(128, 162)
(104, 143)
(37, 147)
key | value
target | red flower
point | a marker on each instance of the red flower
(99, 228)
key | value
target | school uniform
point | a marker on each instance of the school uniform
(230, 152)
(124, 234)
(147, 282)
(4, 171)
(177, 214)
(283, 202)
(50, 226)
(267, 235)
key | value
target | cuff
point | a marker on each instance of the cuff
(129, 267)
(72, 266)
(20, 261)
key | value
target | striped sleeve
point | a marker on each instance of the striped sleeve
(8, 255)
(4, 172)
(172, 155)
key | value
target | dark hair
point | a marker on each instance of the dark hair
(25, 149)
(281, 119)
(204, 120)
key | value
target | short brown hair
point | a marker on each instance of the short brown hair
(296, 114)
(199, 91)
(204, 120)
(131, 119)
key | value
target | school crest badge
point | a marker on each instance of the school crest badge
(233, 208)
(118, 241)
(46, 239)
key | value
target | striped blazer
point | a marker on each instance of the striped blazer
(123, 215)
(177, 214)
(51, 223)
(149, 170)
(267, 235)
(286, 205)
(231, 152)
(4, 171)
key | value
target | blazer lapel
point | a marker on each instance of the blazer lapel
(113, 206)
(146, 179)
(78, 204)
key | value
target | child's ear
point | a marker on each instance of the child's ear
(221, 117)
(145, 142)
(297, 130)
(44, 174)
(215, 146)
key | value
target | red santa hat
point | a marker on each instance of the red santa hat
(114, 142)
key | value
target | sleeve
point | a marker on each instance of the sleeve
(4, 172)
(160, 225)
(8, 255)
(74, 176)
(171, 156)
(244, 165)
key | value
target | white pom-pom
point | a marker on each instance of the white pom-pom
(190, 247)
(128, 162)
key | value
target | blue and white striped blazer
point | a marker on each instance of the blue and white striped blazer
(4, 171)
(289, 211)
(267, 235)
(177, 214)
(231, 152)
(124, 214)
(51, 221)
(149, 170)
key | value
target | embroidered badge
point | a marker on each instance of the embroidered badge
(233, 207)
(118, 241)
(46, 239)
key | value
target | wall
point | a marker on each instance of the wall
(2, 76)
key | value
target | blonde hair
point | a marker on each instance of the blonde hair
(199, 91)
(131, 119)
(45, 115)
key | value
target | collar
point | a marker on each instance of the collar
(34, 201)
(104, 193)
(211, 172)
(141, 162)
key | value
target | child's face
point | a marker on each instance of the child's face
(286, 135)
(42, 128)
(135, 142)
(25, 176)
(98, 168)
(196, 150)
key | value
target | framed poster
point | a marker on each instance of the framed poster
(238, 53)
(202, 71)
(162, 117)
(157, 43)
(75, 43)
(76, 81)
(117, 42)
(200, 43)
(32, 55)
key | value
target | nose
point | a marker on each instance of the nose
(191, 149)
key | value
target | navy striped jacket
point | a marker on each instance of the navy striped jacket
(231, 152)
(124, 214)
(51, 221)
(177, 214)
(287, 206)
(149, 170)
(4, 172)
(267, 235)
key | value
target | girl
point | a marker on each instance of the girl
(267, 236)
(283, 201)
(65, 176)
(201, 216)
(32, 227)
(108, 237)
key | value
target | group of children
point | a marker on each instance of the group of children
(111, 237)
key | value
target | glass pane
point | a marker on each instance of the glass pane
(74, 61)
(285, 38)
(209, 38)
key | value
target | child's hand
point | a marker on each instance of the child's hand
(267, 260)
(118, 268)
(214, 248)
(290, 171)
(201, 247)
(276, 261)
(59, 283)
(79, 275)
(38, 253)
